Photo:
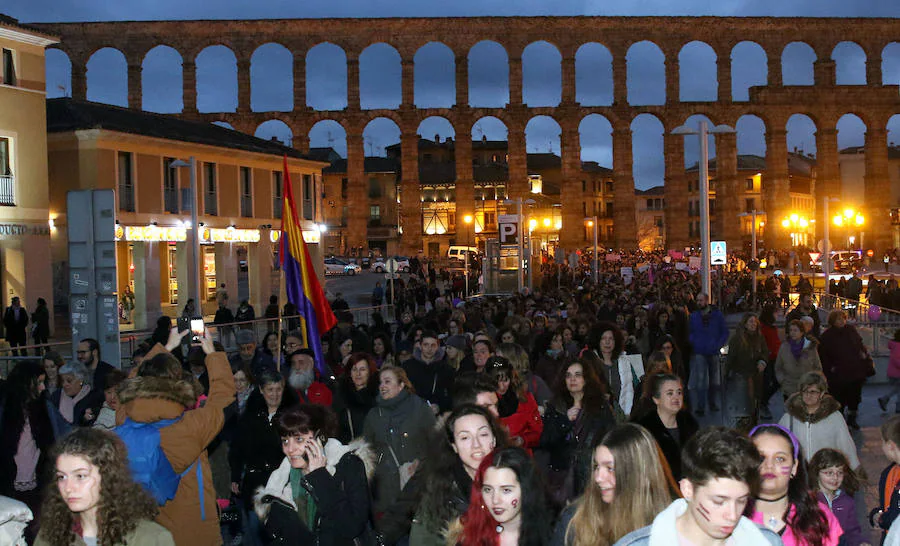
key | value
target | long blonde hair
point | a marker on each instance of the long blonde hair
(644, 488)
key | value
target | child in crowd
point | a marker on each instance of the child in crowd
(836, 483)
(888, 492)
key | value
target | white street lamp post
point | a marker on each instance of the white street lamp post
(592, 221)
(753, 214)
(704, 132)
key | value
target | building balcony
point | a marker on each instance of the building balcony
(7, 190)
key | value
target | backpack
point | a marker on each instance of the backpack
(148, 462)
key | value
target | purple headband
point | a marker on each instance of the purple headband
(794, 441)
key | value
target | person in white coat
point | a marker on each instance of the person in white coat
(14, 518)
(815, 418)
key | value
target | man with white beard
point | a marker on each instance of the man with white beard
(305, 379)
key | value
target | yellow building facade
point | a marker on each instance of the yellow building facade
(240, 187)
(25, 268)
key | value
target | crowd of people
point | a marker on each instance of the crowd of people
(567, 416)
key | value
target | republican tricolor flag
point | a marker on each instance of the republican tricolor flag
(302, 285)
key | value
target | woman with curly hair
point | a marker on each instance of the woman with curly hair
(785, 504)
(609, 342)
(354, 396)
(95, 501)
(507, 505)
(631, 484)
(579, 413)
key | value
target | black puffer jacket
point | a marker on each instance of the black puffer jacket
(352, 406)
(671, 448)
(256, 450)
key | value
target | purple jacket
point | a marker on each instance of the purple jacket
(844, 509)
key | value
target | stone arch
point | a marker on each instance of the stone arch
(107, 77)
(541, 74)
(646, 78)
(890, 64)
(329, 133)
(434, 127)
(380, 75)
(489, 128)
(217, 86)
(749, 67)
(326, 77)
(692, 142)
(378, 134)
(751, 135)
(851, 131)
(437, 164)
(893, 131)
(58, 68)
(595, 136)
(797, 60)
(542, 135)
(698, 77)
(850, 63)
(272, 79)
(593, 75)
(435, 76)
(648, 159)
(161, 81)
(275, 128)
(801, 134)
(488, 75)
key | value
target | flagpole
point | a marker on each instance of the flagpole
(280, 318)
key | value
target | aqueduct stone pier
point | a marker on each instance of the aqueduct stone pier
(825, 102)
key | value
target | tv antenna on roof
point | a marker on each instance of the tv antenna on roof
(480, 131)
(369, 143)
(330, 139)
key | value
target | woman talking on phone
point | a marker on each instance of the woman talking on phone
(320, 493)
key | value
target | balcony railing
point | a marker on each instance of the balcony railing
(7, 190)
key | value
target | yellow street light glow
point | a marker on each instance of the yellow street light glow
(532, 223)
(590, 223)
(849, 213)
(467, 218)
(838, 220)
(786, 223)
(548, 222)
(559, 224)
(794, 218)
(804, 223)
(859, 219)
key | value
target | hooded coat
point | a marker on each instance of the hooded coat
(788, 369)
(151, 399)
(823, 428)
(340, 491)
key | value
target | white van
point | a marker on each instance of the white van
(456, 252)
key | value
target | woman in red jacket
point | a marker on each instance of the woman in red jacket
(517, 407)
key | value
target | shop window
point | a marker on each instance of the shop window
(126, 182)
(246, 192)
(210, 193)
(277, 193)
(7, 178)
(170, 186)
(9, 67)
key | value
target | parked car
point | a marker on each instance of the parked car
(402, 264)
(336, 266)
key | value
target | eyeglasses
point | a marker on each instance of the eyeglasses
(832, 473)
(813, 393)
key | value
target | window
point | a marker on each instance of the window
(277, 192)
(126, 182)
(584, 186)
(609, 209)
(344, 184)
(308, 197)
(749, 204)
(749, 183)
(490, 220)
(649, 204)
(712, 207)
(344, 215)
(9, 67)
(609, 187)
(170, 186)
(210, 198)
(609, 233)
(7, 177)
(374, 188)
(246, 192)
(375, 212)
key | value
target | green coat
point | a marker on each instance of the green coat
(147, 533)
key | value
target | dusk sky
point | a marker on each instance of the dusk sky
(379, 69)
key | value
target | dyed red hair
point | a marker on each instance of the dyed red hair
(479, 526)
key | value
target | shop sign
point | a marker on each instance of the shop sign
(23, 229)
(312, 236)
(229, 235)
(151, 234)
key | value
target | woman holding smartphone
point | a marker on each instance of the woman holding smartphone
(320, 493)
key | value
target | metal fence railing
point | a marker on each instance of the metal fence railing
(226, 334)
(875, 324)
